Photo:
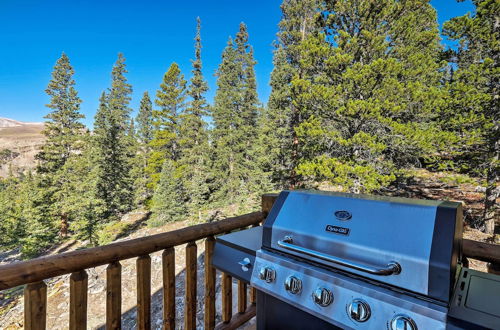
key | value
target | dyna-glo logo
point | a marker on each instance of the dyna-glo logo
(337, 230)
(343, 215)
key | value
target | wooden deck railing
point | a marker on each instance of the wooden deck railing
(34, 272)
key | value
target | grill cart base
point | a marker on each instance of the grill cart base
(273, 313)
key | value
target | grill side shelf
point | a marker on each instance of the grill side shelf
(476, 300)
(234, 253)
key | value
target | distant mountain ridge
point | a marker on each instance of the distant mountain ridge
(7, 122)
(19, 143)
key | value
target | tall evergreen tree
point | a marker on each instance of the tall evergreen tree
(474, 102)
(235, 116)
(63, 132)
(34, 206)
(11, 225)
(369, 92)
(111, 126)
(170, 99)
(63, 128)
(144, 130)
(81, 201)
(144, 120)
(193, 135)
(282, 116)
(135, 157)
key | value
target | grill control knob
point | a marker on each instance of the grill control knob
(322, 296)
(359, 310)
(293, 285)
(267, 274)
(403, 322)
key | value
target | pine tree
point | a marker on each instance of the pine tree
(6, 221)
(170, 98)
(144, 122)
(11, 226)
(473, 101)
(112, 122)
(168, 204)
(78, 195)
(132, 146)
(193, 136)
(369, 93)
(135, 165)
(282, 115)
(81, 201)
(235, 116)
(63, 128)
(63, 132)
(34, 206)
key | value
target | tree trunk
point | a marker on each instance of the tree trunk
(294, 161)
(63, 232)
(491, 195)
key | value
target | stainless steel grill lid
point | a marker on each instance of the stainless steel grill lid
(410, 244)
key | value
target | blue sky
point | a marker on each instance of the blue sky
(151, 34)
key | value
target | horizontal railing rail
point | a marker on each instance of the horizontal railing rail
(482, 251)
(38, 269)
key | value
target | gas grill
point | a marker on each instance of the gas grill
(332, 260)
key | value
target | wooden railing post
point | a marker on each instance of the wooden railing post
(168, 267)
(253, 296)
(144, 292)
(78, 286)
(267, 201)
(113, 296)
(242, 297)
(35, 306)
(190, 289)
(227, 298)
(209, 284)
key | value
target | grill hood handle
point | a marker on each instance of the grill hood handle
(392, 268)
